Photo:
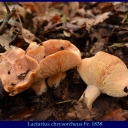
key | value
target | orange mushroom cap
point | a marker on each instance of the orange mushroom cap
(18, 70)
(36, 51)
(53, 45)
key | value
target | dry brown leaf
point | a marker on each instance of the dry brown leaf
(53, 11)
(91, 21)
(56, 19)
(100, 18)
(21, 11)
(5, 39)
(27, 35)
(125, 114)
(67, 34)
(79, 112)
(116, 115)
(65, 10)
(122, 7)
(22, 115)
(74, 6)
(70, 26)
(39, 8)
(105, 7)
(42, 114)
(79, 21)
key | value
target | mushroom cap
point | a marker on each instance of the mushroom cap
(53, 45)
(58, 62)
(107, 72)
(36, 51)
(18, 70)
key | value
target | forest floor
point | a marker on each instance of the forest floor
(91, 27)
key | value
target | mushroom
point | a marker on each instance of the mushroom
(17, 70)
(103, 73)
(37, 52)
(60, 56)
(52, 46)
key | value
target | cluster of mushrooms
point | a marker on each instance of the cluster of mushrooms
(103, 73)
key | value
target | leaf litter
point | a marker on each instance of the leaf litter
(91, 27)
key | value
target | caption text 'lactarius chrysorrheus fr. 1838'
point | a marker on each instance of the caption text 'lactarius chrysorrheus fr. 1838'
(21, 70)
(103, 73)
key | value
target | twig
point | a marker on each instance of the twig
(7, 8)
(8, 17)
(126, 15)
(66, 101)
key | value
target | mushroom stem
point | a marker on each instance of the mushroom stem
(89, 95)
(55, 80)
(39, 86)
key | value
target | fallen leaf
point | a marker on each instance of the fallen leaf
(22, 115)
(79, 21)
(36, 7)
(67, 34)
(100, 18)
(39, 21)
(41, 115)
(125, 114)
(116, 115)
(21, 11)
(53, 11)
(106, 6)
(70, 26)
(73, 6)
(92, 21)
(121, 35)
(56, 19)
(5, 39)
(123, 7)
(27, 35)
(78, 111)
(65, 11)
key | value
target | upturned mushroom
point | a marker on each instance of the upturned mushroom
(53, 46)
(17, 70)
(103, 73)
(60, 56)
